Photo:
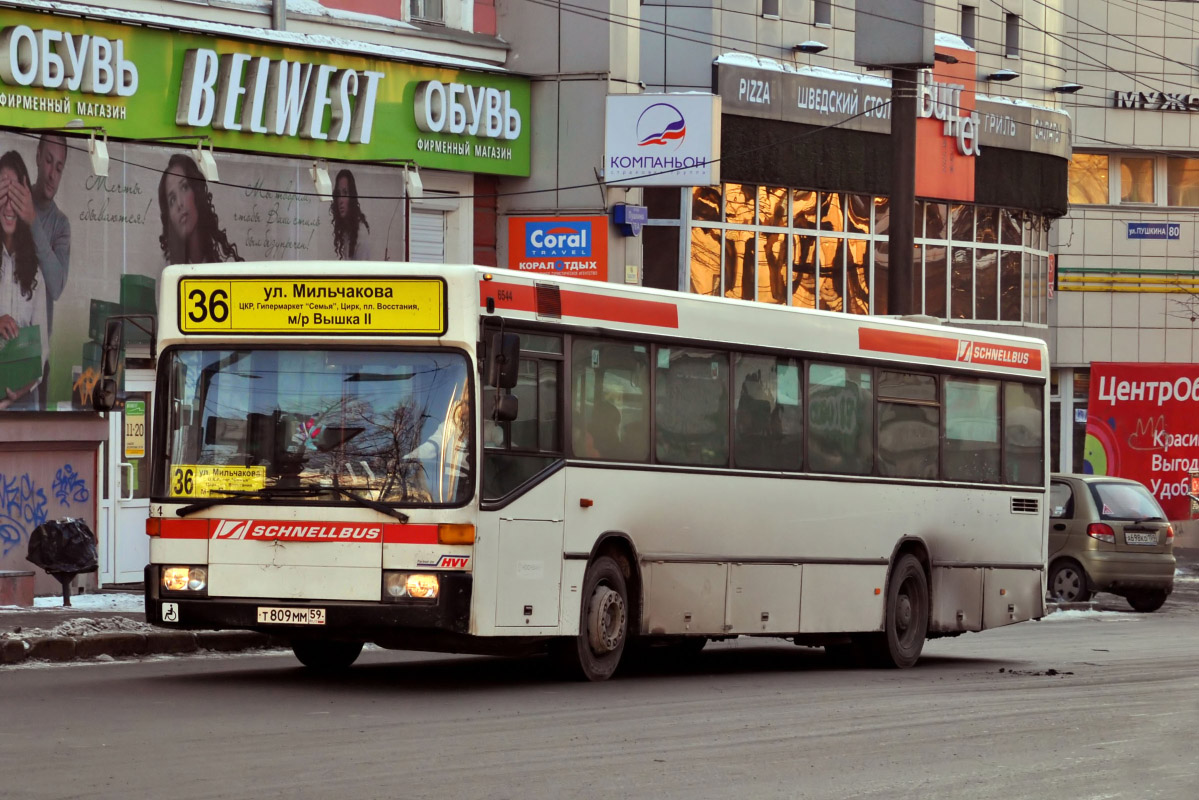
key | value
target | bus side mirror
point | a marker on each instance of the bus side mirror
(505, 408)
(503, 359)
(104, 396)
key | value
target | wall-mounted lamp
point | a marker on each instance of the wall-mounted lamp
(945, 58)
(206, 162)
(811, 47)
(98, 150)
(1003, 75)
(413, 186)
(1067, 88)
(320, 179)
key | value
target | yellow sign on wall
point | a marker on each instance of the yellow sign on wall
(362, 306)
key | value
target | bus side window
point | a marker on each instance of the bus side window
(768, 425)
(909, 425)
(691, 407)
(840, 419)
(609, 390)
(971, 430)
(1023, 434)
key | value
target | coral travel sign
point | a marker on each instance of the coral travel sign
(145, 83)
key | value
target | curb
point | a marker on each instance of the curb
(125, 645)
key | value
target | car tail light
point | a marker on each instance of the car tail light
(1101, 531)
(1169, 533)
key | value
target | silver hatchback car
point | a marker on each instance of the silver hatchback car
(1108, 535)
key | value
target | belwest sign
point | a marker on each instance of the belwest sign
(145, 83)
(576, 247)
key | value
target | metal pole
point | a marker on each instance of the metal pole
(901, 292)
(279, 15)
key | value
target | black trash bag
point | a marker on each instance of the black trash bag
(65, 545)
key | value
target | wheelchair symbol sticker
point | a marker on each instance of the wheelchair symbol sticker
(170, 612)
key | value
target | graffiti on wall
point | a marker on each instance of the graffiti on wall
(69, 486)
(22, 508)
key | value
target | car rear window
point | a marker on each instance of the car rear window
(1125, 501)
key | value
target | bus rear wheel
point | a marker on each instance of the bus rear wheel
(326, 656)
(905, 623)
(603, 625)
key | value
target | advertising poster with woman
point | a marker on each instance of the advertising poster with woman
(78, 247)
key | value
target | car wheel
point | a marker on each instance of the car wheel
(321, 656)
(1068, 583)
(1148, 601)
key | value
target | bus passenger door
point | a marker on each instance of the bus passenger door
(529, 557)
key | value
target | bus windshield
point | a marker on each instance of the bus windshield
(389, 426)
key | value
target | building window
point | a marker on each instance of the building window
(1088, 179)
(1137, 183)
(828, 250)
(426, 10)
(969, 21)
(1182, 181)
(822, 12)
(770, 8)
(1011, 38)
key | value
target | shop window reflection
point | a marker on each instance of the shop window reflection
(705, 204)
(1009, 287)
(935, 222)
(1136, 180)
(986, 281)
(857, 276)
(803, 272)
(832, 215)
(963, 223)
(772, 206)
(1088, 181)
(987, 225)
(803, 210)
(705, 260)
(1026, 281)
(832, 273)
(962, 298)
(739, 263)
(772, 268)
(881, 276)
(858, 213)
(739, 203)
(882, 216)
(935, 280)
(1009, 226)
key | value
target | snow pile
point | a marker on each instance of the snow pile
(1063, 615)
(118, 602)
(80, 626)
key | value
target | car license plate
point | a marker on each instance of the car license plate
(275, 615)
(1139, 537)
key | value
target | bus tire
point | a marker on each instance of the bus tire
(905, 620)
(322, 656)
(595, 653)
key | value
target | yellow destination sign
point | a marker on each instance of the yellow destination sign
(202, 480)
(312, 306)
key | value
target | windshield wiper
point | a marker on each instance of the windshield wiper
(229, 494)
(382, 508)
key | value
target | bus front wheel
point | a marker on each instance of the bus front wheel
(905, 623)
(326, 656)
(603, 625)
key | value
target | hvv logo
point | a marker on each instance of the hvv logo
(558, 239)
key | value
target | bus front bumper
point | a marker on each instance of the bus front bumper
(365, 621)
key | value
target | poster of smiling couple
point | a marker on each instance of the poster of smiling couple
(77, 248)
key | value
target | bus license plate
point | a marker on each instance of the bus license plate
(274, 615)
(1138, 537)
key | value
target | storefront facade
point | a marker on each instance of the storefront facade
(218, 148)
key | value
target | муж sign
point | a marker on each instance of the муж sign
(662, 140)
(144, 83)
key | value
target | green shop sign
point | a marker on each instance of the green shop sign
(143, 83)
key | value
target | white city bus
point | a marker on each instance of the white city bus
(460, 459)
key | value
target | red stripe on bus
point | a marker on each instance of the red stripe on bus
(409, 534)
(584, 305)
(183, 529)
(908, 344)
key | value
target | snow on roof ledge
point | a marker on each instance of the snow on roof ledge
(289, 38)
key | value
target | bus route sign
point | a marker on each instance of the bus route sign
(306, 306)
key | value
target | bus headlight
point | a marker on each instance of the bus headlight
(185, 579)
(410, 586)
